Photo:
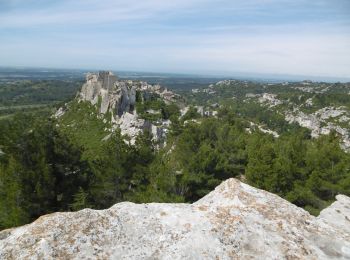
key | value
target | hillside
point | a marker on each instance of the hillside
(275, 107)
(126, 140)
(106, 104)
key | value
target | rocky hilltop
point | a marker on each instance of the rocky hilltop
(118, 96)
(116, 100)
(235, 221)
(112, 95)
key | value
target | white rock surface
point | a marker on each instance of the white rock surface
(264, 130)
(235, 221)
(60, 112)
(115, 96)
(318, 122)
(270, 99)
(338, 214)
(130, 125)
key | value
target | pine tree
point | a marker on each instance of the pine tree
(80, 200)
(12, 200)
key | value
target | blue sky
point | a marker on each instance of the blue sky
(296, 37)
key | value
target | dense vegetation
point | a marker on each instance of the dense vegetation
(49, 165)
(322, 94)
(86, 126)
(35, 95)
(152, 108)
(46, 168)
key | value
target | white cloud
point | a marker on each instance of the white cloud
(151, 35)
(90, 12)
(303, 54)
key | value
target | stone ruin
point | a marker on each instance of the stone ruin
(118, 97)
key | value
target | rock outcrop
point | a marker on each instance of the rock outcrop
(130, 125)
(319, 124)
(235, 221)
(118, 97)
(103, 88)
(271, 99)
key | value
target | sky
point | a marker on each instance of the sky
(292, 37)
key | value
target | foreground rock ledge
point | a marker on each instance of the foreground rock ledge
(235, 221)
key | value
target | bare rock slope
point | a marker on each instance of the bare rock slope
(235, 221)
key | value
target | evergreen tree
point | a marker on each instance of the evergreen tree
(80, 200)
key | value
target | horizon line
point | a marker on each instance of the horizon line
(203, 74)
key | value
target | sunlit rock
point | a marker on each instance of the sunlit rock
(235, 221)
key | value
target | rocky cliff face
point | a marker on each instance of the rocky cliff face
(118, 97)
(235, 221)
(103, 88)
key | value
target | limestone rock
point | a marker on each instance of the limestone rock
(112, 94)
(60, 112)
(270, 99)
(118, 97)
(130, 125)
(115, 95)
(91, 89)
(318, 122)
(338, 214)
(264, 130)
(235, 221)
